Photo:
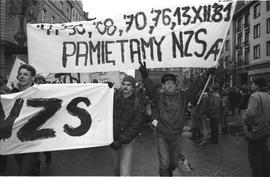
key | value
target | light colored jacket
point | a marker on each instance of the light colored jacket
(258, 109)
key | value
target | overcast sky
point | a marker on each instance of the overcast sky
(110, 8)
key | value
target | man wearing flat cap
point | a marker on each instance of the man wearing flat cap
(128, 118)
(169, 116)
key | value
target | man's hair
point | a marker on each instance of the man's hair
(260, 82)
(40, 77)
(28, 68)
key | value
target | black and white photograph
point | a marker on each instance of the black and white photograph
(135, 88)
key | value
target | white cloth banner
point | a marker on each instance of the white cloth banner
(56, 117)
(183, 36)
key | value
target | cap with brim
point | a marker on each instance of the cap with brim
(167, 77)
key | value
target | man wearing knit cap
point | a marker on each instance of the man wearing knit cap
(127, 121)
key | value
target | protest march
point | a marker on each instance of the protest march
(64, 111)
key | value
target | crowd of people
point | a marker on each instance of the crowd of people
(165, 109)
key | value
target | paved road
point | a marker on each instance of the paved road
(229, 158)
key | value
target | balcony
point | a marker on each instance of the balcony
(247, 28)
(246, 43)
(246, 25)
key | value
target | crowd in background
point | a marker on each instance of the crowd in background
(208, 112)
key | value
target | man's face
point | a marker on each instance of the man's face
(127, 87)
(25, 78)
(169, 86)
(254, 87)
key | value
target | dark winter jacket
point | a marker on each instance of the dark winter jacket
(244, 101)
(127, 118)
(203, 108)
(169, 110)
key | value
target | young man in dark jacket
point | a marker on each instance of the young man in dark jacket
(128, 118)
(169, 116)
(214, 114)
(28, 162)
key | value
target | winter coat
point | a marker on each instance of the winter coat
(203, 107)
(128, 118)
(169, 110)
(244, 101)
(258, 110)
(215, 105)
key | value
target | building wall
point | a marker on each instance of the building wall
(261, 66)
(10, 24)
(244, 71)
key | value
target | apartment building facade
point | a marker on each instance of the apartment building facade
(246, 51)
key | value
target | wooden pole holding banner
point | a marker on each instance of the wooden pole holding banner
(207, 82)
(215, 65)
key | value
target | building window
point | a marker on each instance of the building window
(268, 48)
(239, 40)
(246, 55)
(43, 15)
(268, 5)
(239, 25)
(268, 25)
(53, 19)
(60, 5)
(68, 13)
(239, 57)
(256, 51)
(257, 10)
(246, 22)
(257, 31)
(246, 36)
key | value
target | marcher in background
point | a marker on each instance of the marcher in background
(243, 105)
(128, 118)
(169, 116)
(39, 79)
(232, 99)
(203, 111)
(195, 120)
(257, 115)
(224, 112)
(3, 87)
(214, 114)
(237, 99)
(28, 162)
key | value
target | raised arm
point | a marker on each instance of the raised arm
(150, 90)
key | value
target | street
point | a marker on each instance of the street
(228, 158)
